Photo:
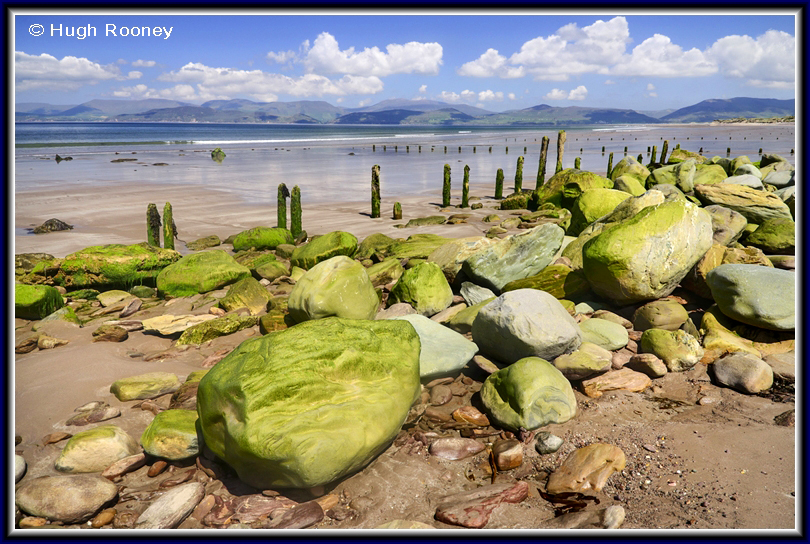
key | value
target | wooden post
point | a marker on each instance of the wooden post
(465, 188)
(446, 187)
(577, 163)
(375, 191)
(281, 213)
(654, 154)
(664, 152)
(610, 164)
(152, 226)
(499, 184)
(541, 170)
(169, 230)
(397, 211)
(295, 210)
(560, 150)
(519, 175)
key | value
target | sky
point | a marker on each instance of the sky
(497, 62)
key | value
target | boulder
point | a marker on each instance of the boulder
(167, 325)
(629, 166)
(69, 499)
(589, 360)
(426, 221)
(718, 335)
(528, 394)
(605, 334)
(462, 321)
(385, 272)
(292, 410)
(145, 386)
(644, 258)
(246, 293)
(36, 301)
(747, 170)
(781, 179)
(375, 243)
(424, 287)
(746, 180)
(564, 187)
(629, 184)
(443, 352)
(259, 238)
(172, 435)
(323, 248)
(417, 246)
(664, 314)
(756, 295)
(558, 279)
(744, 372)
(591, 205)
(706, 174)
(680, 155)
(727, 224)
(451, 255)
(515, 257)
(678, 349)
(204, 243)
(253, 258)
(95, 449)
(214, 328)
(200, 273)
(111, 297)
(755, 205)
(647, 363)
(525, 323)
(272, 270)
(473, 294)
(774, 236)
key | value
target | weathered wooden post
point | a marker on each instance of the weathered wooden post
(654, 154)
(610, 164)
(152, 226)
(446, 187)
(295, 211)
(507, 150)
(465, 188)
(640, 158)
(560, 150)
(519, 175)
(373, 147)
(625, 151)
(499, 184)
(281, 212)
(603, 150)
(459, 149)
(473, 149)
(169, 230)
(375, 191)
(490, 149)
(445, 150)
(664, 152)
(577, 163)
(524, 149)
(541, 170)
(397, 211)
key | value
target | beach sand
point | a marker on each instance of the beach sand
(732, 467)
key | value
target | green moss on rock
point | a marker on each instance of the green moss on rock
(214, 328)
(323, 248)
(262, 238)
(36, 301)
(172, 435)
(200, 273)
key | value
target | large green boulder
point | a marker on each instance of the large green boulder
(564, 187)
(246, 293)
(708, 174)
(558, 279)
(262, 238)
(200, 273)
(95, 449)
(515, 257)
(375, 243)
(417, 246)
(774, 237)
(424, 287)
(681, 155)
(629, 166)
(516, 201)
(338, 287)
(644, 258)
(591, 205)
(310, 404)
(528, 394)
(629, 184)
(113, 266)
(755, 204)
(443, 352)
(681, 175)
(323, 248)
(755, 295)
(36, 301)
(214, 328)
(272, 270)
(172, 435)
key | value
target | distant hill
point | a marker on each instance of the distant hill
(421, 105)
(285, 112)
(717, 108)
(40, 108)
(388, 117)
(572, 115)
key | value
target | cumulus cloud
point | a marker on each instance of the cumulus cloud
(266, 86)
(326, 57)
(178, 92)
(69, 73)
(610, 82)
(282, 57)
(134, 74)
(512, 96)
(143, 63)
(489, 95)
(556, 94)
(580, 93)
(650, 87)
(658, 56)
(765, 61)
(423, 89)
(491, 64)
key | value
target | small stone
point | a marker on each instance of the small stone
(455, 448)
(95, 415)
(133, 306)
(744, 372)
(786, 419)
(53, 438)
(485, 364)
(20, 467)
(69, 499)
(624, 379)
(547, 443)
(508, 454)
(32, 522)
(298, 517)
(172, 508)
(470, 414)
(648, 364)
(603, 333)
(441, 394)
(157, 467)
(125, 465)
(473, 508)
(145, 386)
(48, 342)
(105, 517)
(95, 449)
(586, 469)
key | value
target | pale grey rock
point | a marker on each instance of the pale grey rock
(744, 372)
(69, 499)
(473, 294)
(172, 508)
(444, 352)
(755, 295)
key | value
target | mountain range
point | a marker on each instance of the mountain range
(387, 112)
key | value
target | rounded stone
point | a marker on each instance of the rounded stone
(664, 314)
(605, 334)
(69, 499)
(755, 295)
(95, 449)
(744, 372)
(172, 435)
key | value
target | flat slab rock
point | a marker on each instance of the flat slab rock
(172, 508)
(473, 508)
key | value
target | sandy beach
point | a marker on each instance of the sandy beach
(724, 465)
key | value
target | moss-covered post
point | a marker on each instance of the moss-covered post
(459, 149)
(519, 175)
(373, 147)
(397, 211)
(577, 163)
(445, 150)
(295, 213)
(465, 188)
(664, 152)
(640, 158)
(560, 150)
(152, 226)
(499, 184)
(654, 154)
(168, 227)
(541, 169)
(610, 164)
(625, 151)
(490, 149)
(603, 150)
(446, 187)
(375, 191)
(507, 149)
(283, 193)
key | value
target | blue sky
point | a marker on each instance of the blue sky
(497, 62)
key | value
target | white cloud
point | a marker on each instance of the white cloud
(610, 82)
(650, 87)
(423, 89)
(449, 96)
(658, 56)
(134, 74)
(580, 93)
(326, 57)
(512, 96)
(491, 64)
(178, 92)
(767, 61)
(488, 95)
(266, 86)
(556, 94)
(143, 63)
(70, 73)
(282, 57)
(652, 95)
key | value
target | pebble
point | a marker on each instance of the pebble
(470, 414)
(298, 517)
(786, 419)
(455, 448)
(648, 364)
(157, 467)
(125, 465)
(485, 364)
(624, 379)
(586, 469)
(473, 508)
(441, 394)
(32, 522)
(53, 438)
(547, 443)
(103, 518)
(171, 508)
(95, 415)
(508, 454)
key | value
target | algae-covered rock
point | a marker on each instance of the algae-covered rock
(262, 238)
(451, 255)
(424, 287)
(417, 246)
(338, 287)
(707, 174)
(65, 498)
(629, 184)
(727, 224)
(204, 243)
(272, 270)
(323, 248)
(629, 166)
(718, 335)
(528, 394)
(246, 293)
(462, 322)
(680, 155)
(311, 404)
(385, 272)
(515, 257)
(65, 313)
(145, 386)
(516, 201)
(253, 258)
(443, 352)
(200, 273)
(36, 301)
(558, 279)
(605, 334)
(587, 361)
(214, 328)
(564, 187)
(95, 449)
(756, 205)
(644, 258)
(104, 267)
(744, 372)
(756, 295)
(172, 435)
(375, 243)
(774, 236)
(664, 314)
(591, 205)
(425, 221)
(678, 349)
